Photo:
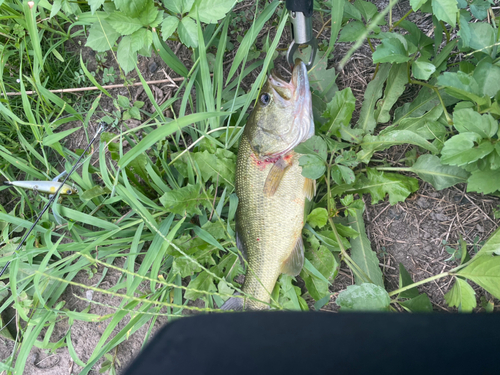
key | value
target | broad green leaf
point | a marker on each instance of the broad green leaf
(125, 54)
(460, 150)
(367, 9)
(392, 50)
(185, 200)
(142, 38)
(482, 37)
(352, 31)
(168, 26)
(362, 253)
(422, 69)
(484, 270)
(479, 9)
(95, 5)
(426, 125)
(339, 112)
(318, 217)
(203, 281)
(462, 296)
(102, 37)
(405, 280)
(319, 267)
(364, 297)
(416, 4)
(188, 32)
(313, 146)
(445, 10)
(468, 120)
(429, 168)
(123, 24)
(150, 16)
(487, 77)
(290, 295)
(421, 303)
(312, 166)
(210, 11)
(373, 92)
(485, 182)
(372, 143)
(462, 86)
(132, 8)
(492, 246)
(378, 184)
(56, 137)
(395, 86)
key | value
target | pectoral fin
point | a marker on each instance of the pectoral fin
(274, 177)
(293, 265)
(310, 188)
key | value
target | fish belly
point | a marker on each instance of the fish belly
(268, 227)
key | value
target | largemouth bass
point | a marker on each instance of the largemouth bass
(271, 189)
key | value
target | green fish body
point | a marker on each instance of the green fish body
(271, 189)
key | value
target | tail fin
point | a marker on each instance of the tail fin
(234, 304)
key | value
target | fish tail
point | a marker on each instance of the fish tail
(8, 183)
(234, 304)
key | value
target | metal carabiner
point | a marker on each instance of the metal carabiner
(300, 12)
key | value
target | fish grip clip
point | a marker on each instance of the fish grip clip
(300, 12)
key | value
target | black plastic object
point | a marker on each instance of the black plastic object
(324, 343)
(304, 6)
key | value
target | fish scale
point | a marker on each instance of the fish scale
(268, 226)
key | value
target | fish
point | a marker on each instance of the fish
(48, 187)
(271, 189)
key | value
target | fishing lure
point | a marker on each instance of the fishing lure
(48, 187)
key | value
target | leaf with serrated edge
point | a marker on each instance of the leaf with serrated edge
(102, 37)
(462, 296)
(126, 57)
(373, 92)
(185, 200)
(468, 120)
(362, 253)
(484, 270)
(460, 150)
(429, 168)
(445, 10)
(492, 246)
(210, 11)
(392, 50)
(188, 32)
(485, 182)
(339, 111)
(364, 297)
(168, 26)
(379, 183)
(394, 87)
(123, 24)
(318, 217)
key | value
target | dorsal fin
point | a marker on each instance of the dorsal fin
(310, 188)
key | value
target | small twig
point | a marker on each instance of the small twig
(92, 88)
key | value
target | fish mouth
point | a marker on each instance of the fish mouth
(295, 93)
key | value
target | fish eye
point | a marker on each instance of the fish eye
(69, 191)
(265, 99)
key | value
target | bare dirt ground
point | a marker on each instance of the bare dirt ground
(415, 233)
